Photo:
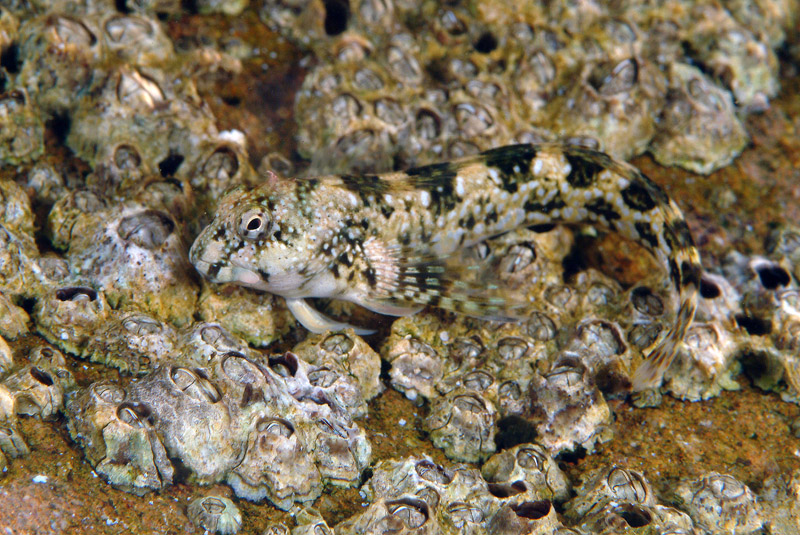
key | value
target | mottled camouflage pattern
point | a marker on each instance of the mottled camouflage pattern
(381, 241)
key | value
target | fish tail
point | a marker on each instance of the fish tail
(682, 260)
(640, 210)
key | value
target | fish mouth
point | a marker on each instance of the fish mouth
(211, 263)
(232, 272)
(201, 266)
(194, 256)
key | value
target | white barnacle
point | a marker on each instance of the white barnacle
(567, 169)
(516, 169)
(494, 175)
(537, 166)
(388, 199)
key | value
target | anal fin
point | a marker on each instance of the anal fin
(317, 322)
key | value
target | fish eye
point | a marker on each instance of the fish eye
(254, 224)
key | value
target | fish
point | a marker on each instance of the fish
(381, 240)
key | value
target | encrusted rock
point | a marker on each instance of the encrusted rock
(133, 342)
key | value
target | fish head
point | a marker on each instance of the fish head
(257, 241)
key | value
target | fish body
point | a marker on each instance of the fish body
(379, 240)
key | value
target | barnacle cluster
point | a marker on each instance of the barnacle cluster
(93, 263)
(554, 370)
(35, 387)
(402, 83)
(272, 427)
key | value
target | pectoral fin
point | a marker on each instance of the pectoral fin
(406, 281)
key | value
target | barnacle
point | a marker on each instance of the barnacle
(700, 129)
(260, 319)
(13, 319)
(417, 494)
(530, 463)
(610, 486)
(721, 503)
(138, 256)
(615, 62)
(264, 425)
(216, 514)
(93, 258)
(6, 357)
(133, 342)
(463, 424)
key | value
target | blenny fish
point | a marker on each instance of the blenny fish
(379, 240)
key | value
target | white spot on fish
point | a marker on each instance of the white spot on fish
(425, 199)
(460, 186)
